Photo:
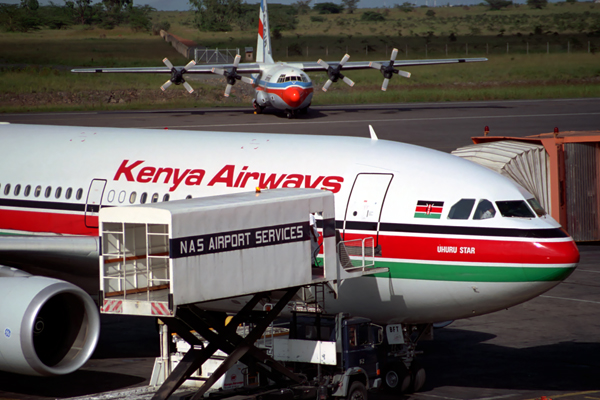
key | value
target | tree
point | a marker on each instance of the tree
(406, 6)
(372, 16)
(430, 13)
(216, 15)
(498, 4)
(328, 8)
(81, 10)
(302, 6)
(350, 5)
(539, 4)
(139, 19)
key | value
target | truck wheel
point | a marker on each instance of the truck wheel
(418, 376)
(357, 391)
(396, 379)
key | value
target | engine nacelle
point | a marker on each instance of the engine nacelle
(47, 326)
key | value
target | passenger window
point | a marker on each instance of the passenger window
(485, 209)
(514, 209)
(122, 195)
(189, 196)
(155, 197)
(58, 192)
(68, 193)
(38, 191)
(132, 197)
(27, 190)
(7, 189)
(79, 194)
(143, 198)
(537, 207)
(166, 197)
(462, 209)
(17, 189)
(48, 191)
(111, 196)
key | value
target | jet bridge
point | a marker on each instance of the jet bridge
(171, 259)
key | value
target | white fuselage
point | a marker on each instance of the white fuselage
(440, 267)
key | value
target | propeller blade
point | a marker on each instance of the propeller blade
(375, 65)
(346, 58)
(348, 81)
(327, 84)
(236, 62)
(394, 54)
(167, 63)
(323, 64)
(385, 84)
(404, 74)
(218, 71)
(189, 65)
(247, 80)
(166, 85)
(188, 87)
(228, 90)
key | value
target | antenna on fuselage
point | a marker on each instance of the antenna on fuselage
(373, 134)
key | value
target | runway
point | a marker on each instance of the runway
(441, 126)
(549, 346)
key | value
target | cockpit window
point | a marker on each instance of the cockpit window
(539, 210)
(514, 209)
(281, 78)
(462, 209)
(485, 209)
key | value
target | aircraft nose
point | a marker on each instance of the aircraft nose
(293, 96)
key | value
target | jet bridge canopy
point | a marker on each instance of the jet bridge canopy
(157, 256)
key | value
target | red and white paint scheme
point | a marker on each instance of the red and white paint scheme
(281, 85)
(483, 245)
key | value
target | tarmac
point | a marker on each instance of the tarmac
(549, 346)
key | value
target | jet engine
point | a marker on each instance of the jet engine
(47, 326)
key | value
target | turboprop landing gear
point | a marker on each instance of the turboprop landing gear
(258, 109)
(290, 114)
(406, 374)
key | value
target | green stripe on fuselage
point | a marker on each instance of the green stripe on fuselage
(424, 215)
(470, 273)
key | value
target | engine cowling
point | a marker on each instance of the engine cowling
(47, 326)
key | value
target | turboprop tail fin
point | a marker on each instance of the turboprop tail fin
(263, 45)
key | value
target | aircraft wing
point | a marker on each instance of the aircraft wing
(314, 66)
(245, 68)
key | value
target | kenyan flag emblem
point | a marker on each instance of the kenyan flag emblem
(429, 209)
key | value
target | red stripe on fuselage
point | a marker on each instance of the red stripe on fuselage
(43, 221)
(482, 250)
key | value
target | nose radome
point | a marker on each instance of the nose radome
(292, 96)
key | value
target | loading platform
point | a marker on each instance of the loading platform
(188, 261)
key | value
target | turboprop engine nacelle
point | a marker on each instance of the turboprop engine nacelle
(47, 326)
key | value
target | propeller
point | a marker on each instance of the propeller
(388, 70)
(177, 75)
(334, 73)
(232, 75)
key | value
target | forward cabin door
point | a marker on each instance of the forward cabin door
(93, 202)
(365, 203)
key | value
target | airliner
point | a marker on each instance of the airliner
(283, 86)
(458, 239)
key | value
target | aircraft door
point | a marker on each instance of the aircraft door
(93, 202)
(366, 201)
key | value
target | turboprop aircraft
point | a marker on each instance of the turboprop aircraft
(283, 86)
(458, 239)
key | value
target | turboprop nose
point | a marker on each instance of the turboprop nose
(293, 97)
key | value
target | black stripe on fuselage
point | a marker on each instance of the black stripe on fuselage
(350, 225)
(43, 205)
(451, 230)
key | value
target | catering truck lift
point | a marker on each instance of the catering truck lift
(188, 262)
